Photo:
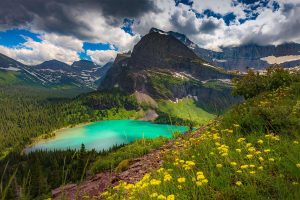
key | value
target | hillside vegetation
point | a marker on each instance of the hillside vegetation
(252, 153)
(186, 109)
(30, 112)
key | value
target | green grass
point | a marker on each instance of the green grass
(216, 84)
(135, 149)
(259, 166)
(186, 109)
(8, 77)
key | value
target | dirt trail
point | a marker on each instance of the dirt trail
(97, 184)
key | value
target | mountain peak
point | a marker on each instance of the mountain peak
(157, 47)
(156, 30)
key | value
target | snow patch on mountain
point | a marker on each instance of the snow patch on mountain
(280, 59)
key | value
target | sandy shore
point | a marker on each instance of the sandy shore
(51, 135)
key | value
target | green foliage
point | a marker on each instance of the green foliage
(122, 166)
(164, 82)
(108, 100)
(186, 109)
(275, 108)
(40, 171)
(132, 150)
(253, 83)
(26, 114)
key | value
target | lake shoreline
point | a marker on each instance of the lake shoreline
(150, 129)
(52, 135)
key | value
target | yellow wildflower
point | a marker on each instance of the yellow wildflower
(199, 173)
(230, 131)
(233, 163)
(251, 149)
(267, 150)
(219, 165)
(238, 150)
(200, 177)
(271, 159)
(261, 159)
(298, 165)
(153, 195)
(105, 193)
(129, 186)
(224, 154)
(167, 177)
(236, 125)
(161, 197)
(181, 180)
(239, 171)
(244, 166)
(160, 170)
(155, 182)
(252, 166)
(260, 167)
(257, 152)
(204, 181)
(190, 163)
(260, 141)
(268, 135)
(171, 197)
(249, 156)
(241, 140)
(199, 183)
(248, 145)
(238, 183)
(252, 172)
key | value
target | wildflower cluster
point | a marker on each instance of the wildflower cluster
(216, 159)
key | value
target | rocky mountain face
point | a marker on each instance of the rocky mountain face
(242, 57)
(54, 73)
(161, 66)
(84, 72)
(257, 57)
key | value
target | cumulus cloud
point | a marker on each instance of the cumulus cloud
(65, 24)
(64, 16)
(102, 57)
(33, 53)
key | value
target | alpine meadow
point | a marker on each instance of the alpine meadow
(149, 99)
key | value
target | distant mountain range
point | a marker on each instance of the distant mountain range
(242, 57)
(52, 73)
(158, 51)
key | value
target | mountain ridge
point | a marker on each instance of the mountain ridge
(164, 68)
(54, 73)
(243, 56)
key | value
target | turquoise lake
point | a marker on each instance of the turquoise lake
(105, 134)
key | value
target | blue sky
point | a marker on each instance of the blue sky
(104, 29)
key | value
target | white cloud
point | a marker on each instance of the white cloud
(102, 57)
(33, 52)
(208, 32)
(100, 31)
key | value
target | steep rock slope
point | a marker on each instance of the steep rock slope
(52, 73)
(241, 57)
(163, 67)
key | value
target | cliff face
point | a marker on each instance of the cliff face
(240, 57)
(161, 66)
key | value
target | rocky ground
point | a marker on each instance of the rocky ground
(97, 184)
